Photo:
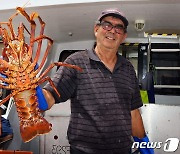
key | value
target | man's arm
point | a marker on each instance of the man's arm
(138, 131)
(137, 124)
(49, 98)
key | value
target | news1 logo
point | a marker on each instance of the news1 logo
(170, 145)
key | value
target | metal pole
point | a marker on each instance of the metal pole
(178, 40)
(148, 52)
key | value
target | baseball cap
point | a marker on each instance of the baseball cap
(115, 13)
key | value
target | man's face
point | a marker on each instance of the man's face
(110, 33)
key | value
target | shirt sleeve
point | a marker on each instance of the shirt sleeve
(136, 98)
(65, 82)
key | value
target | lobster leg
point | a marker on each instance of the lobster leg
(4, 64)
(33, 15)
(5, 80)
(32, 22)
(4, 54)
(50, 42)
(26, 29)
(6, 99)
(11, 87)
(40, 41)
(9, 47)
(59, 64)
(20, 32)
(51, 83)
(13, 35)
(21, 47)
(33, 27)
(22, 12)
(41, 79)
(24, 47)
(5, 36)
(9, 24)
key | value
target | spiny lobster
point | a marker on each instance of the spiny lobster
(18, 65)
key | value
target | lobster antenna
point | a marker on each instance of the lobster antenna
(27, 3)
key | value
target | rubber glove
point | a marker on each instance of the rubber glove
(42, 103)
(145, 150)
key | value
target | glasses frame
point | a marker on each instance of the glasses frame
(109, 26)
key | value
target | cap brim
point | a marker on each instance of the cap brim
(124, 20)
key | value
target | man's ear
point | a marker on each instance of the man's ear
(96, 27)
(125, 36)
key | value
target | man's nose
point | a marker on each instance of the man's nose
(113, 30)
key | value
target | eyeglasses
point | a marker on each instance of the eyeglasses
(120, 29)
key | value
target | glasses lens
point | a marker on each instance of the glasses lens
(108, 26)
(119, 29)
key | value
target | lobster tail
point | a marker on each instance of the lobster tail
(34, 128)
(32, 123)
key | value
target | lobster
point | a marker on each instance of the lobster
(18, 65)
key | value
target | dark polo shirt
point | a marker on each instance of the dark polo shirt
(101, 102)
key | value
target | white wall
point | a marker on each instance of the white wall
(167, 100)
(10, 4)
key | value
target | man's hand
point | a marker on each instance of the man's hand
(49, 98)
(145, 150)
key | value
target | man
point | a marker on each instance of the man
(104, 97)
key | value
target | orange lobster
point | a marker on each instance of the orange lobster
(18, 66)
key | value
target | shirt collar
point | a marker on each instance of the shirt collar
(93, 56)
